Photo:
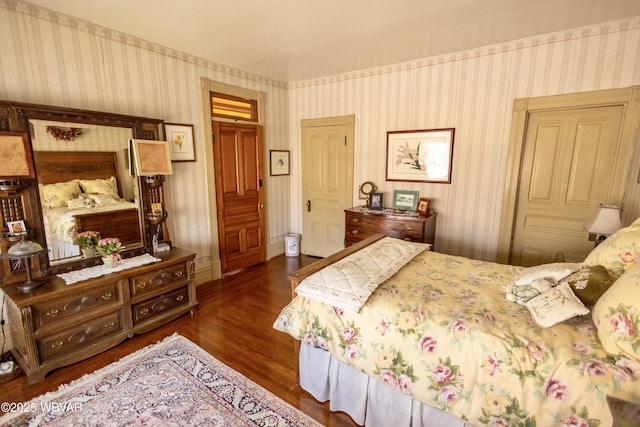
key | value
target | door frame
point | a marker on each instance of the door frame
(629, 98)
(212, 268)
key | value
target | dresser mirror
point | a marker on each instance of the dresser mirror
(84, 180)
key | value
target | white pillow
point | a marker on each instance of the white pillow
(554, 306)
(536, 280)
(105, 199)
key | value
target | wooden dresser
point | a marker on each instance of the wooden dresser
(361, 223)
(57, 324)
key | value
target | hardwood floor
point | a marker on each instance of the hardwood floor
(233, 323)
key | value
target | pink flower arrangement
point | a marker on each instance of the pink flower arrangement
(109, 246)
(87, 239)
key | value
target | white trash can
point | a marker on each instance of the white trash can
(292, 244)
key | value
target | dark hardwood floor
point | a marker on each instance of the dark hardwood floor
(233, 323)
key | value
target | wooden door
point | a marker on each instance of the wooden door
(238, 160)
(327, 183)
(568, 165)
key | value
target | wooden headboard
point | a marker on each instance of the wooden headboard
(62, 166)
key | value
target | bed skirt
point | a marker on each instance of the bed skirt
(366, 400)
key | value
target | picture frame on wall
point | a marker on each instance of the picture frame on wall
(180, 139)
(15, 152)
(375, 201)
(423, 206)
(420, 155)
(406, 200)
(279, 162)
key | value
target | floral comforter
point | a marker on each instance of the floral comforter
(442, 331)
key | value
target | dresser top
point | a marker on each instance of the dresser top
(54, 286)
(388, 213)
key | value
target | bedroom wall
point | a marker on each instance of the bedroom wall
(48, 58)
(472, 91)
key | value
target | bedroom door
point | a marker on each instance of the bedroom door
(567, 169)
(238, 160)
(327, 183)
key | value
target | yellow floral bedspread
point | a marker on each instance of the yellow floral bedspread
(442, 331)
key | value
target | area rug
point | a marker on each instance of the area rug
(171, 383)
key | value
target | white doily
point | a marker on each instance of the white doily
(100, 270)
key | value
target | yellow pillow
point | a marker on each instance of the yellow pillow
(617, 315)
(100, 186)
(618, 252)
(57, 195)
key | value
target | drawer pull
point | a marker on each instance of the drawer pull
(178, 273)
(408, 227)
(142, 285)
(354, 219)
(109, 325)
(354, 231)
(180, 298)
(144, 311)
(57, 345)
(107, 296)
(52, 313)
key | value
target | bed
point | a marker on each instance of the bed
(81, 191)
(439, 343)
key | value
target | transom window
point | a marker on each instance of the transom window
(233, 107)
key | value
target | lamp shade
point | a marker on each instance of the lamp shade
(24, 247)
(605, 221)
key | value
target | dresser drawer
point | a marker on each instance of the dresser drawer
(154, 280)
(155, 307)
(56, 345)
(60, 309)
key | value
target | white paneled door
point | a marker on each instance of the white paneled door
(327, 183)
(567, 169)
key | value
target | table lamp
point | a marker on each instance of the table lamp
(604, 222)
(25, 249)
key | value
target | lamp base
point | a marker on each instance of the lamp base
(30, 284)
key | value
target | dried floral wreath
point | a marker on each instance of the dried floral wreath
(64, 134)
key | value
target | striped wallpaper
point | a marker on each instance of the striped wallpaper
(49, 58)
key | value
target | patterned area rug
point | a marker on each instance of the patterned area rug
(170, 383)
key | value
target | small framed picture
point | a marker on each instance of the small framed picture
(423, 206)
(151, 157)
(375, 201)
(15, 152)
(406, 200)
(180, 139)
(156, 208)
(16, 228)
(279, 162)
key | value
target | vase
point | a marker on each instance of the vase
(108, 261)
(88, 252)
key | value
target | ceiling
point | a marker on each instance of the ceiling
(291, 40)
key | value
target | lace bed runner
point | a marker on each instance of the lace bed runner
(100, 270)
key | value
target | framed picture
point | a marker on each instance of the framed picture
(15, 153)
(156, 208)
(279, 161)
(180, 139)
(375, 201)
(16, 228)
(405, 200)
(423, 206)
(151, 157)
(420, 155)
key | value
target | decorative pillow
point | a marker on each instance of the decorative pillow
(100, 186)
(554, 306)
(82, 201)
(105, 199)
(618, 252)
(57, 195)
(536, 280)
(590, 283)
(617, 315)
